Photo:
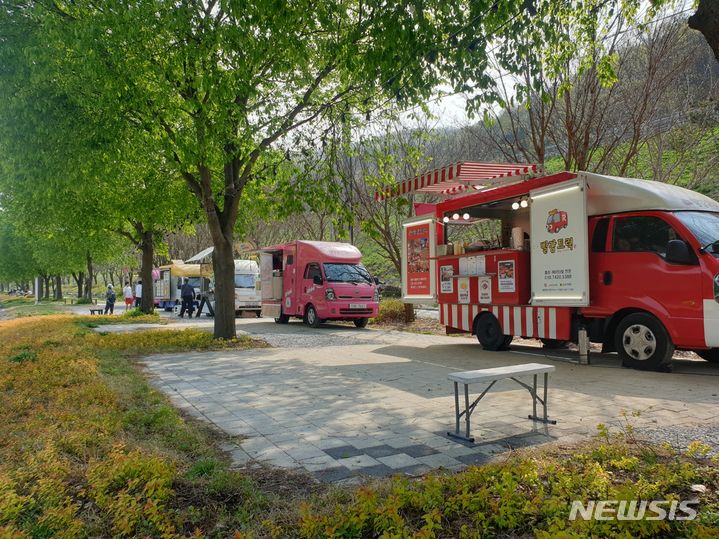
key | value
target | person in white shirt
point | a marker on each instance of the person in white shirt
(127, 294)
(138, 293)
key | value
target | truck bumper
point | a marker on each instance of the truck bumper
(345, 310)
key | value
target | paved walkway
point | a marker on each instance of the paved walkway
(341, 402)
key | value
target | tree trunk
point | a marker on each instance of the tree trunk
(39, 281)
(46, 287)
(80, 282)
(147, 304)
(223, 264)
(89, 281)
(58, 287)
(706, 20)
(408, 312)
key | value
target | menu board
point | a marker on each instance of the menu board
(463, 289)
(418, 267)
(446, 279)
(418, 260)
(472, 265)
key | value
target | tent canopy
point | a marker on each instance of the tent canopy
(459, 177)
(203, 256)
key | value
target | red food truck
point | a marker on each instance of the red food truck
(317, 281)
(633, 263)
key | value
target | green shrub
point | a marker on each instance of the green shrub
(390, 310)
(137, 313)
(24, 355)
(391, 291)
(84, 301)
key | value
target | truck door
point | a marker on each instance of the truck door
(311, 291)
(633, 272)
(290, 288)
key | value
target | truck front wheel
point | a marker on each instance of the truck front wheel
(489, 333)
(643, 343)
(311, 317)
(282, 319)
(712, 356)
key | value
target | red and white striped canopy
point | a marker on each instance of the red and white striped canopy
(457, 177)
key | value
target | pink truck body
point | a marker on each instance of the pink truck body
(328, 278)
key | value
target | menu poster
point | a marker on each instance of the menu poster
(464, 265)
(418, 278)
(505, 269)
(463, 289)
(481, 265)
(446, 279)
(485, 289)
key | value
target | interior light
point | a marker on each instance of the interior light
(465, 217)
(477, 187)
(455, 217)
(515, 205)
(445, 219)
(524, 203)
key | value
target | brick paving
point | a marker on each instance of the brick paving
(343, 403)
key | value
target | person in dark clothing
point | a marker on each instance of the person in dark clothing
(187, 293)
(110, 298)
(206, 299)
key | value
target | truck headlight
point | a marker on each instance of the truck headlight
(330, 294)
(375, 296)
(716, 288)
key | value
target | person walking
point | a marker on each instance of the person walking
(138, 293)
(110, 300)
(187, 293)
(206, 299)
(127, 294)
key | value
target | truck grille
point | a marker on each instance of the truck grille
(354, 297)
(355, 311)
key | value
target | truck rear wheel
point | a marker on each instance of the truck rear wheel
(489, 333)
(361, 322)
(643, 343)
(712, 356)
(311, 317)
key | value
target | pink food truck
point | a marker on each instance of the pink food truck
(316, 281)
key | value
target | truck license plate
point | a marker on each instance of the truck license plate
(358, 305)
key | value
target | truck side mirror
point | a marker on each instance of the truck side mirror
(376, 280)
(317, 279)
(678, 252)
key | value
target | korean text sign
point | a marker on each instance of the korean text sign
(559, 240)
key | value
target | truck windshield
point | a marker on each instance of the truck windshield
(347, 273)
(245, 280)
(704, 225)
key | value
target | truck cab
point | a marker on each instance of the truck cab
(317, 281)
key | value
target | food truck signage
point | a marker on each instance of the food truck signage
(560, 253)
(418, 267)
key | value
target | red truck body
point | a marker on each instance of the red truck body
(633, 262)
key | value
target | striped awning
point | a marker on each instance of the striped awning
(458, 177)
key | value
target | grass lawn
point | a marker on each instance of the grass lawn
(89, 449)
(16, 307)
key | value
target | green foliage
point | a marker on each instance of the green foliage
(390, 310)
(137, 313)
(525, 495)
(23, 355)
